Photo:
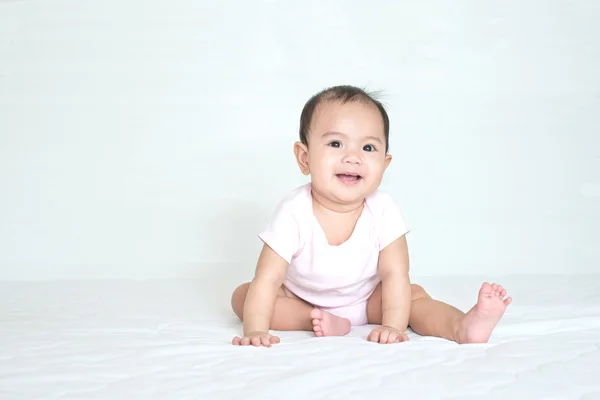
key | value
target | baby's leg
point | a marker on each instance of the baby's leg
(289, 314)
(429, 317)
(294, 314)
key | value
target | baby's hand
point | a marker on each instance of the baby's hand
(386, 334)
(256, 339)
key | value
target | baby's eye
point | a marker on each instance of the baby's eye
(369, 147)
(335, 143)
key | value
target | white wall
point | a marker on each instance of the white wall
(153, 139)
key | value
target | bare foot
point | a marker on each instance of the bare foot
(477, 325)
(326, 324)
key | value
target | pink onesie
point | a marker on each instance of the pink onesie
(337, 279)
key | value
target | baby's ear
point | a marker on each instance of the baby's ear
(388, 160)
(301, 153)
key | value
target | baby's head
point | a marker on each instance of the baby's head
(344, 141)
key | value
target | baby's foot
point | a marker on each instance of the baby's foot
(477, 325)
(326, 324)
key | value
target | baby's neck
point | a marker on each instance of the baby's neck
(334, 207)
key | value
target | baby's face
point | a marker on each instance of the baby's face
(346, 151)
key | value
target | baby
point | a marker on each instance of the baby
(335, 253)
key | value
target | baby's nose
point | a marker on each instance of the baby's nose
(352, 158)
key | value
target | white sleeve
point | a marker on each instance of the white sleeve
(283, 233)
(392, 224)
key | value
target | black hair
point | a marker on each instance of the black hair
(343, 94)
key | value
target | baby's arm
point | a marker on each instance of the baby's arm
(395, 285)
(260, 300)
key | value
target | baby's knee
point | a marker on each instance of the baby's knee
(238, 298)
(417, 292)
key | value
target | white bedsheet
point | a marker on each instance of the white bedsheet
(171, 340)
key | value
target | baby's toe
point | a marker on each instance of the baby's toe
(316, 314)
(485, 290)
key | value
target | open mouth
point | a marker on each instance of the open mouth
(349, 178)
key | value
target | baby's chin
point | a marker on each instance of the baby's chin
(340, 193)
(350, 195)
